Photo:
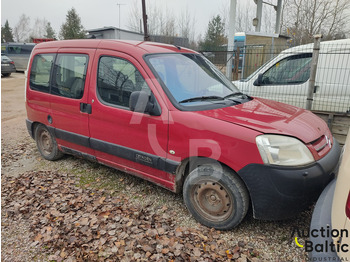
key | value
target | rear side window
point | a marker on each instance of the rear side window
(291, 70)
(117, 78)
(40, 72)
(26, 49)
(20, 49)
(69, 75)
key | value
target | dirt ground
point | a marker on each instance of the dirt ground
(13, 115)
(75, 210)
(12, 106)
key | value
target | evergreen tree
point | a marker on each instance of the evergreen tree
(215, 35)
(6, 33)
(50, 33)
(72, 28)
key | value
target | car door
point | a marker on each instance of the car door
(124, 139)
(69, 94)
(286, 80)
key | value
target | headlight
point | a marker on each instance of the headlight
(283, 150)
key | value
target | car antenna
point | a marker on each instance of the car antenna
(178, 47)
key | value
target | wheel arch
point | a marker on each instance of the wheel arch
(189, 164)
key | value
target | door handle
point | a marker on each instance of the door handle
(85, 108)
(316, 88)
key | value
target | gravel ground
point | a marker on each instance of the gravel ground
(25, 224)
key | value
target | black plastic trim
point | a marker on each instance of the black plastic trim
(144, 158)
(282, 192)
(85, 108)
(72, 137)
(135, 155)
(29, 125)
(77, 153)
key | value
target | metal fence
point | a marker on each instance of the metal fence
(283, 74)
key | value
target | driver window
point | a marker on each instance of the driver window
(117, 78)
(291, 70)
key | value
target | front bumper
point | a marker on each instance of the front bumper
(281, 192)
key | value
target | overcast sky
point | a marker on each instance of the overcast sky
(100, 13)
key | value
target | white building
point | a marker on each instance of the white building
(112, 32)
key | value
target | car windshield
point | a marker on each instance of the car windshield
(191, 78)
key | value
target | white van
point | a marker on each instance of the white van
(285, 78)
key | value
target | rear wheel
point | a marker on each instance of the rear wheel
(6, 74)
(46, 143)
(216, 197)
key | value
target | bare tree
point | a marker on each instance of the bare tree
(22, 29)
(186, 27)
(245, 13)
(39, 28)
(135, 18)
(162, 21)
(304, 18)
(268, 19)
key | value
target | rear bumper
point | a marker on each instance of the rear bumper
(282, 192)
(8, 69)
(29, 125)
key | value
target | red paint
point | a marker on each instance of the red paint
(226, 134)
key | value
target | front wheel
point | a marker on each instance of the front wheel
(216, 197)
(46, 143)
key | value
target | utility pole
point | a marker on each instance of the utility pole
(231, 35)
(258, 18)
(119, 17)
(144, 16)
(278, 9)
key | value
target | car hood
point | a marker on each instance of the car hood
(267, 116)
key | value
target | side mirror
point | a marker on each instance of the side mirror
(142, 102)
(258, 81)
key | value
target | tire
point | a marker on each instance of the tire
(46, 143)
(6, 74)
(216, 197)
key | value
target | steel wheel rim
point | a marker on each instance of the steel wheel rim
(212, 201)
(45, 142)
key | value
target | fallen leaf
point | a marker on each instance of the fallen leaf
(38, 237)
(101, 200)
(196, 252)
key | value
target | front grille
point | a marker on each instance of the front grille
(322, 145)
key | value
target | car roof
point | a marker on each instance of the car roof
(118, 45)
(326, 46)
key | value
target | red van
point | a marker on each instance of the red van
(166, 114)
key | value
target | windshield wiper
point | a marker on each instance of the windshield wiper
(234, 94)
(202, 98)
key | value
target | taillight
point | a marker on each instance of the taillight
(347, 207)
(12, 62)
